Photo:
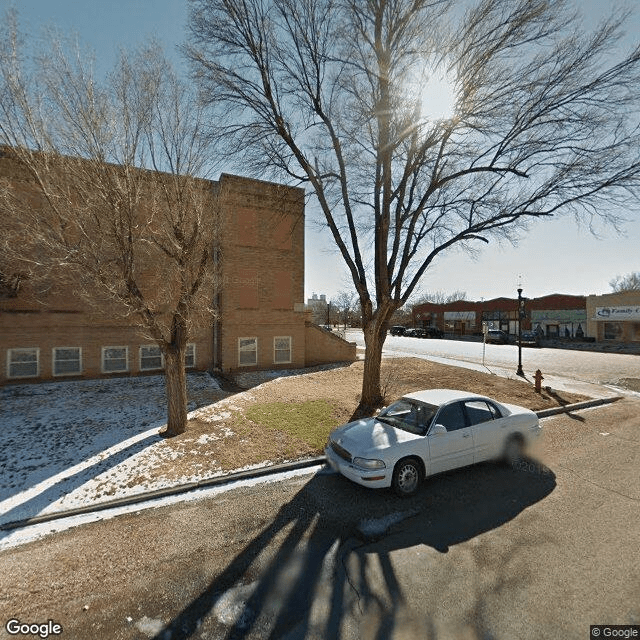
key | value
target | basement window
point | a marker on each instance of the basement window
(190, 356)
(23, 363)
(67, 361)
(115, 359)
(282, 349)
(150, 357)
(247, 351)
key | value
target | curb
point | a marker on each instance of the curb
(165, 492)
(577, 406)
(235, 477)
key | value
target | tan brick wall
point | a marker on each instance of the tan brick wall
(261, 295)
(47, 331)
(629, 331)
(322, 347)
(262, 270)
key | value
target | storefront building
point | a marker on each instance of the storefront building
(554, 316)
(614, 317)
(558, 316)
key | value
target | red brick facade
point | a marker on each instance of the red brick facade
(465, 317)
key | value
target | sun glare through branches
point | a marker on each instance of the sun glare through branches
(434, 90)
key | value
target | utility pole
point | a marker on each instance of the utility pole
(520, 372)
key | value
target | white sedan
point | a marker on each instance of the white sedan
(429, 432)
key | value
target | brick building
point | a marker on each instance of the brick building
(261, 321)
(555, 315)
(558, 315)
(319, 308)
(614, 317)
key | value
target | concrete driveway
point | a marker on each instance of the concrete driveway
(539, 551)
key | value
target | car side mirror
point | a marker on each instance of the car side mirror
(438, 430)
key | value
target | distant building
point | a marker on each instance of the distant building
(558, 315)
(319, 308)
(614, 317)
(555, 315)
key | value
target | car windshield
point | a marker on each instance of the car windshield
(409, 415)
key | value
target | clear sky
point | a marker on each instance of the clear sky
(555, 256)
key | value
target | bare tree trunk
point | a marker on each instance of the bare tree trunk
(374, 326)
(176, 380)
(371, 394)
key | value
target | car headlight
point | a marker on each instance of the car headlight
(369, 464)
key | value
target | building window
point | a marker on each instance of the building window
(67, 361)
(23, 363)
(282, 349)
(115, 359)
(150, 357)
(190, 356)
(612, 330)
(247, 351)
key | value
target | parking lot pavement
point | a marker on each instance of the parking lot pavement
(541, 550)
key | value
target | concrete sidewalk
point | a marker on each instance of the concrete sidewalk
(558, 383)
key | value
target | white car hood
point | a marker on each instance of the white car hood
(363, 436)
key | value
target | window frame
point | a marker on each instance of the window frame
(450, 405)
(64, 374)
(612, 330)
(9, 362)
(488, 407)
(146, 346)
(193, 347)
(275, 350)
(248, 364)
(126, 358)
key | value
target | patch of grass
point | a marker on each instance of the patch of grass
(309, 421)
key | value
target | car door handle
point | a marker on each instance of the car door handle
(466, 435)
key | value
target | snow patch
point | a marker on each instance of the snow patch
(376, 527)
(72, 443)
(231, 608)
(150, 626)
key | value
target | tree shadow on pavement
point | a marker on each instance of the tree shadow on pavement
(325, 567)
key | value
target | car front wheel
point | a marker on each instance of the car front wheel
(513, 450)
(407, 476)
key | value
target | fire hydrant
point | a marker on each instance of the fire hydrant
(538, 380)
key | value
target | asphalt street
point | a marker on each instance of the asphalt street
(588, 366)
(537, 551)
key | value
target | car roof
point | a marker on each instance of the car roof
(441, 396)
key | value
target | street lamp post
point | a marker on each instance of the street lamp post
(520, 372)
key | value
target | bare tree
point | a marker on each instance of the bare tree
(331, 94)
(114, 209)
(630, 282)
(343, 302)
(439, 297)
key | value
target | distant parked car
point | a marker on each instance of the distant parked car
(433, 332)
(497, 337)
(429, 432)
(530, 339)
(397, 330)
(415, 332)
